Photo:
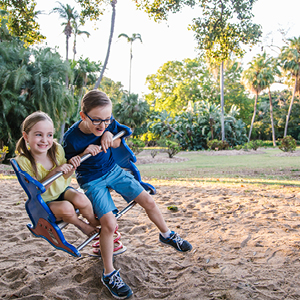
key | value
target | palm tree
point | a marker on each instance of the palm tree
(131, 111)
(259, 76)
(290, 61)
(130, 40)
(252, 80)
(77, 32)
(68, 13)
(84, 72)
(112, 28)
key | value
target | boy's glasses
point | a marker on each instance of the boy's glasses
(99, 121)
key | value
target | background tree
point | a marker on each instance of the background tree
(30, 80)
(21, 20)
(85, 75)
(225, 25)
(112, 28)
(290, 62)
(254, 80)
(130, 40)
(131, 111)
(69, 14)
(177, 83)
(4, 33)
(221, 30)
(76, 31)
(261, 76)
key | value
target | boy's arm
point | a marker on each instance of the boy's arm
(107, 141)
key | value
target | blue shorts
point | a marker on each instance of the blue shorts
(117, 179)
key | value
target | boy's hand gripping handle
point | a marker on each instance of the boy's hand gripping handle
(83, 158)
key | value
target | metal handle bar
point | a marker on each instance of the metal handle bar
(83, 158)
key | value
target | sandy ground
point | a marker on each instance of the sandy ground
(245, 241)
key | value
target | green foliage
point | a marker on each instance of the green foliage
(290, 62)
(30, 80)
(201, 121)
(287, 144)
(160, 9)
(113, 89)
(178, 83)
(253, 145)
(91, 10)
(131, 111)
(161, 124)
(223, 27)
(21, 20)
(136, 145)
(172, 147)
(217, 145)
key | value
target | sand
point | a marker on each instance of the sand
(245, 246)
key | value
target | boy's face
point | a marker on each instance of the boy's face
(98, 114)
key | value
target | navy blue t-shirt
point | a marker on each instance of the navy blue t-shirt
(75, 142)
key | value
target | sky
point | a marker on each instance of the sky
(161, 42)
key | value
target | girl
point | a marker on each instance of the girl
(41, 157)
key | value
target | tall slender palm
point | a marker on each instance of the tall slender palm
(77, 31)
(258, 77)
(112, 28)
(135, 36)
(252, 80)
(67, 13)
(290, 62)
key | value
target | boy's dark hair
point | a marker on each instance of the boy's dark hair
(21, 146)
(92, 99)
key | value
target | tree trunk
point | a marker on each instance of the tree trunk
(130, 67)
(253, 117)
(272, 120)
(112, 26)
(67, 59)
(290, 108)
(222, 100)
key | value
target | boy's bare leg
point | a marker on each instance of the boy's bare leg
(152, 210)
(108, 225)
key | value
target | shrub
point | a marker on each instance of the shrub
(154, 152)
(287, 144)
(172, 147)
(217, 145)
(136, 145)
(254, 145)
(238, 147)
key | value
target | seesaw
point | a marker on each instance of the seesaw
(43, 221)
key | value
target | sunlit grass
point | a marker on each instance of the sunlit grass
(264, 168)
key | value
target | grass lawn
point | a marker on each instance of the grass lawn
(267, 166)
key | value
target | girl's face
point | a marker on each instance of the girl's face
(40, 137)
(96, 115)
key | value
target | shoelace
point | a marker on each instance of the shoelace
(177, 239)
(116, 280)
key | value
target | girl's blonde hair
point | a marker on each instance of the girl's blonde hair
(21, 146)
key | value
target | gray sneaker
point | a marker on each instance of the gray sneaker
(176, 242)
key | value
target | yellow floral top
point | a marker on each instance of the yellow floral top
(58, 186)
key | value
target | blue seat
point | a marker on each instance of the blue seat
(43, 220)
